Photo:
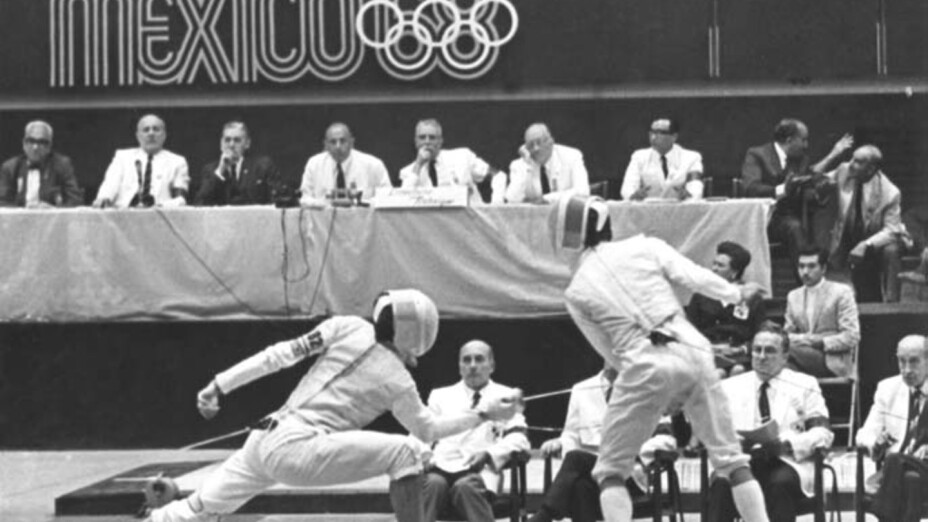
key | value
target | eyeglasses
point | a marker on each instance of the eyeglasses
(37, 142)
(765, 350)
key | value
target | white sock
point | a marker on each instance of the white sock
(616, 504)
(749, 500)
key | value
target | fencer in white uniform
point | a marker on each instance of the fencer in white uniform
(622, 298)
(315, 439)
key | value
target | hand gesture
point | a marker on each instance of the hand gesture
(424, 156)
(208, 400)
(856, 255)
(551, 448)
(476, 461)
(843, 145)
(502, 408)
(525, 154)
(640, 194)
(751, 293)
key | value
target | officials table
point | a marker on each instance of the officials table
(235, 263)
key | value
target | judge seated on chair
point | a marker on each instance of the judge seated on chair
(791, 407)
(896, 434)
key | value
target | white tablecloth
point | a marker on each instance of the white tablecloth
(260, 262)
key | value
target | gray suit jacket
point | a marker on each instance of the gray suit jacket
(835, 318)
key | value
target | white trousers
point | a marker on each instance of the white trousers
(298, 455)
(658, 380)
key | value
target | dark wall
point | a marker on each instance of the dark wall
(134, 385)
(607, 130)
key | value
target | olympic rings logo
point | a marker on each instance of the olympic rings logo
(437, 29)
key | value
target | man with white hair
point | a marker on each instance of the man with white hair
(545, 171)
(436, 166)
(867, 237)
(39, 177)
(315, 438)
(145, 176)
(896, 433)
(622, 298)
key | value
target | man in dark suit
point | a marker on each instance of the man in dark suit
(40, 177)
(237, 179)
(781, 170)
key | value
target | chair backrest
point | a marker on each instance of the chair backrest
(600, 188)
(737, 188)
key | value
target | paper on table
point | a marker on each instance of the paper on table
(766, 432)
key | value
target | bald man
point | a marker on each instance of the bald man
(39, 177)
(545, 170)
(896, 432)
(341, 166)
(145, 176)
(463, 473)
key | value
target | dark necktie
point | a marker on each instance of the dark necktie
(608, 392)
(664, 166)
(545, 186)
(339, 176)
(913, 420)
(433, 173)
(763, 403)
(854, 224)
(476, 400)
(146, 179)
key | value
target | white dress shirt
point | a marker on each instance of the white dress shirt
(644, 170)
(794, 398)
(363, 171)
(121, 181)
(566, 175)
(499, 439)
(453, 167)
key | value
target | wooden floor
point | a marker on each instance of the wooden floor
(30, 482)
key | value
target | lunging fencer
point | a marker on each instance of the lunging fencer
(621, 296)
(315, 439)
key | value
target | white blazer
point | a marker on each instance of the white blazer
(644, 170)
(889, 413)
(566, 175)
(498, 438)
(794, 399)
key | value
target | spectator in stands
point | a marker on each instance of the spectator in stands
(237, 178)
(545, 170)
(725, 326)
(464, 470)
(435, 166)
(822, 321)
(39, 177)
(783, 463)
(147, 175)
(780, 170)
(341, 166)
(896, 433)
(867, 237)
(663, 169)
(573, 491)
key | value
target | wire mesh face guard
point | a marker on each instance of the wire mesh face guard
(568, 221)
(415, 320)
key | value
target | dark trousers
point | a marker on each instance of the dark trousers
(779, 482)
(464, 494)
(876, 277)
(573, 491)
(787, 228)
(904, 488)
